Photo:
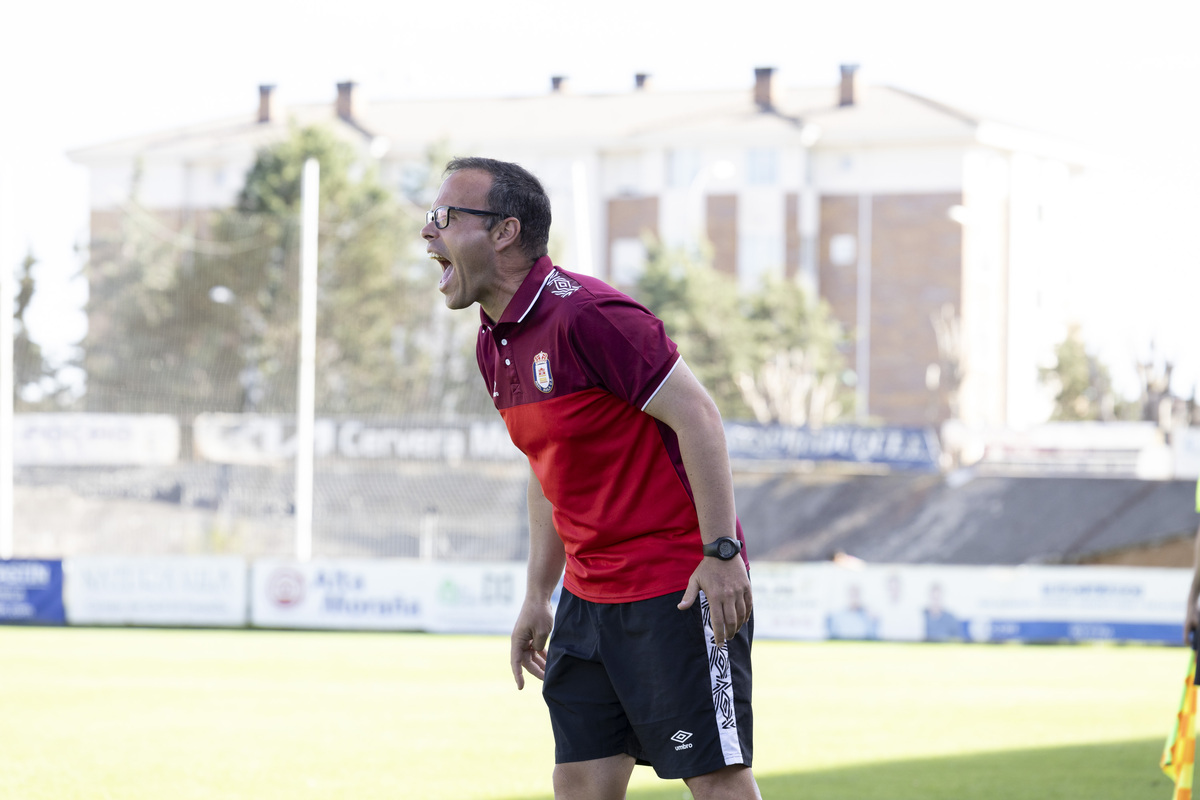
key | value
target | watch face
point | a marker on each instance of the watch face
(727, 550)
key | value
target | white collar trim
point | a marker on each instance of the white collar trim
(533, 302)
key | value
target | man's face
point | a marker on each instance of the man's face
(464, 248)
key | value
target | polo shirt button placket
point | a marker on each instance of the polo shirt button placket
(515, 385)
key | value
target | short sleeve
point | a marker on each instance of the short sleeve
(623, 348)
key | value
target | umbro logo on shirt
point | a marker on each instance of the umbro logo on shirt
(563, 287)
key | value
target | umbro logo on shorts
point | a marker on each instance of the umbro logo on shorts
(682, 738)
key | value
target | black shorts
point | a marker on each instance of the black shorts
(645, 679)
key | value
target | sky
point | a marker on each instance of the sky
(1119, 79)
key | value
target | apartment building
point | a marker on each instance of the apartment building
(933, 233)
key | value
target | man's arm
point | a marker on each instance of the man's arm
(1191, 620)
(546, 561)
(684, 405)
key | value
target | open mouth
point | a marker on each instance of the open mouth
(447, 269)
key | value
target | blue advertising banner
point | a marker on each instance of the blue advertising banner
(898, 448)
(1002, 630)
(31, 592)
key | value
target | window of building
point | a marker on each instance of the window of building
(843, 249)
(760, 255)
(628, 261)
(762, 166)
(624, 174)
(683, 166)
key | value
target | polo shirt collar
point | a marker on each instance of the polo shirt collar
(527, 294)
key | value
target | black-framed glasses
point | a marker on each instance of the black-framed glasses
(440, 216)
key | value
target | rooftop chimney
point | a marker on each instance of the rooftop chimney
(848, 95)
(347, 102)
(641, 81)
(764, 91)
(559, 84)
(266, 103)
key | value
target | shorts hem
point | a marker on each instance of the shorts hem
(573, 758)
(695, 773)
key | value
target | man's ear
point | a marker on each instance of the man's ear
(507, 233)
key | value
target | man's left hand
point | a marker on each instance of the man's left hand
(726, 584)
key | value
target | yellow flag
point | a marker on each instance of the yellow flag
(1179, 754)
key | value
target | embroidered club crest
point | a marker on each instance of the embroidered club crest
(541, 372)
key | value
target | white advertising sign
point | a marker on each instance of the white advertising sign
(789, 600)
(342, 594)
(1185, 447)
(95, 439)
(206, 591)
(1073, 603)
(812, 601)
(987, 604)
(255, 439)
(476, 598)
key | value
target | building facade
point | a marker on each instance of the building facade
(930, 232)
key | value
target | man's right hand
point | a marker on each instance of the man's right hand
(529, 637)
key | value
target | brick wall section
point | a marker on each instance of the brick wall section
(838, 284)
(916, 267)
(916, 258)
(721, 214)
(629, 218)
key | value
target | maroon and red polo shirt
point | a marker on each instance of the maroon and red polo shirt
(571, 364)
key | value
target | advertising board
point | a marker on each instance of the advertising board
(351, 594)
(476, 597)
(31, 592)
(993, 604)
(1185, 448)
(95, 439)
(266, 439)
(790, 600)
(203, 591)
(893, 447)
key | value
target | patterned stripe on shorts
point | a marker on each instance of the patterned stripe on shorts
(722, 689)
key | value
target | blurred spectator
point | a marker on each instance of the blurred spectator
(853, 621)
(940, 624)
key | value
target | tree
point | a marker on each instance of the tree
(214, 323)
(1081, 382)
(38, 383)
(797, 377)
(702, 313)
(771, 355)
(29, 368)
(155, 340)
(369, 281)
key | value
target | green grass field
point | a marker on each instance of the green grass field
(145, 714)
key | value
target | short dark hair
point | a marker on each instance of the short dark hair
(515, 192)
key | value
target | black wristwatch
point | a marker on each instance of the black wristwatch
(724, 548)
